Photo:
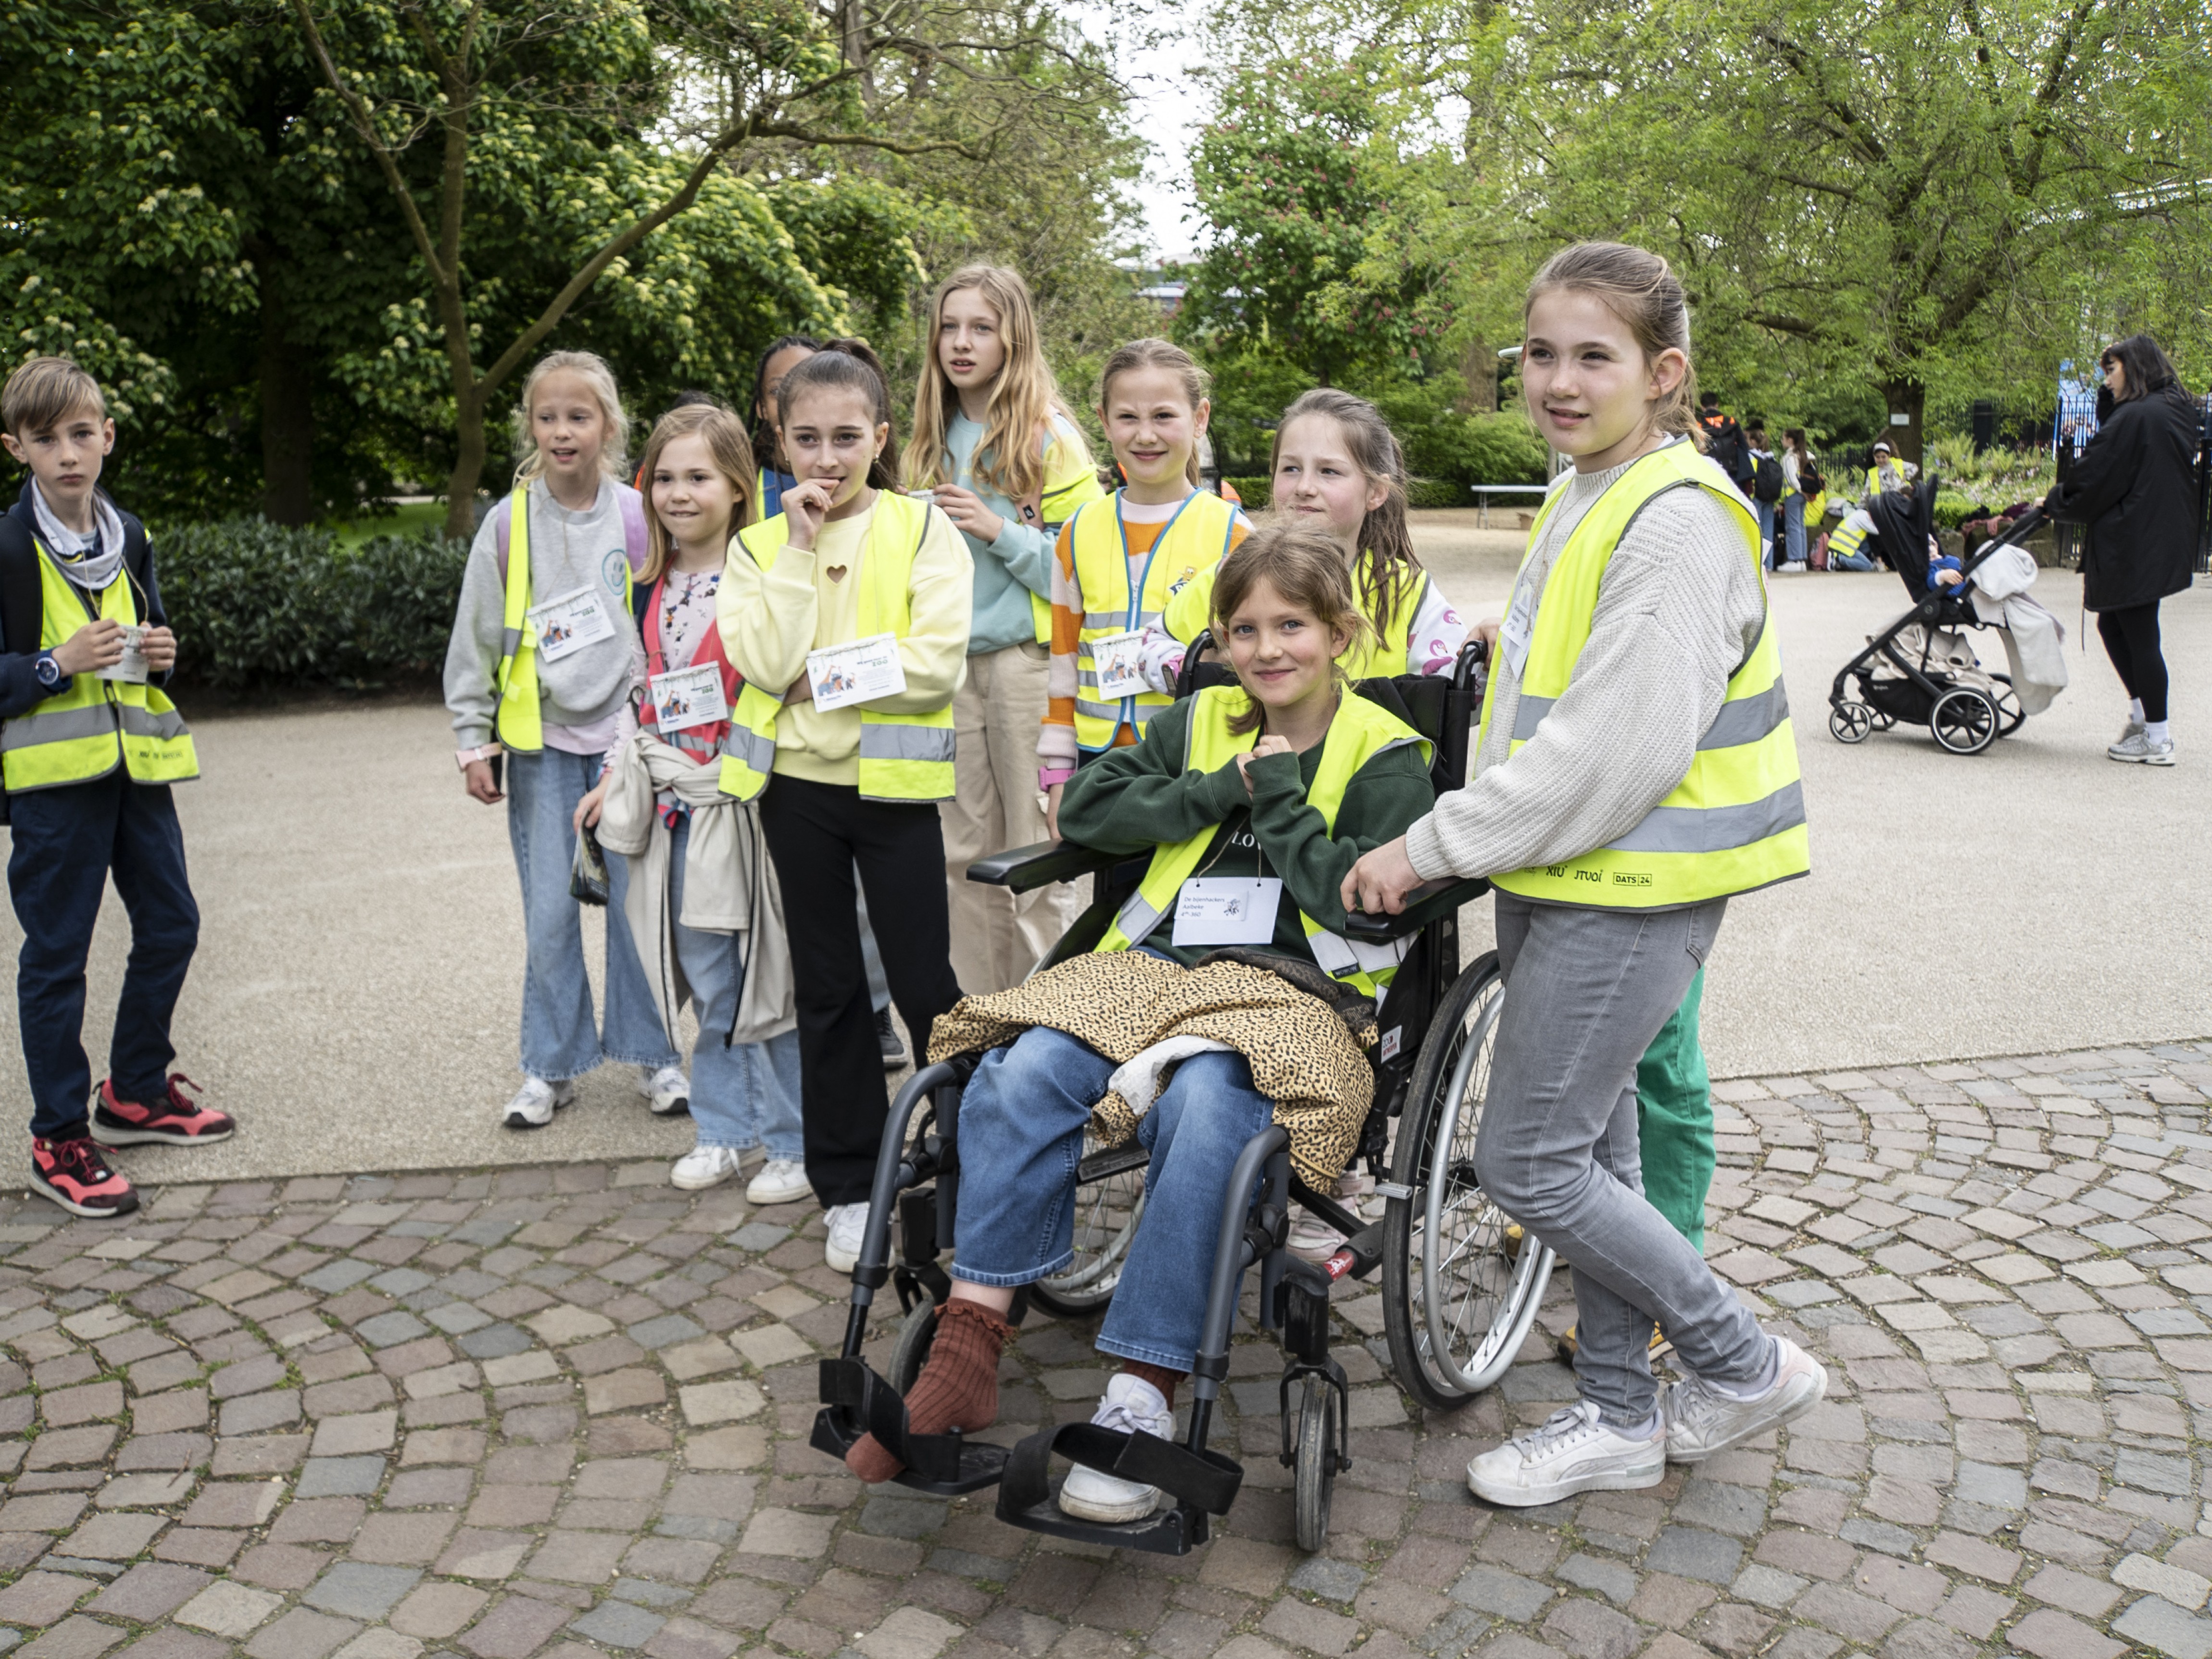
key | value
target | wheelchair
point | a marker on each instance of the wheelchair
(1461, 1284)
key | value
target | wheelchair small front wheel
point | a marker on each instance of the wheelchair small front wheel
(911, 1350)
(1314, 1460)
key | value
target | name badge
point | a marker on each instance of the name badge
(686, 698)
(1518, 628)
(860, 671)
(1227, 909)
(568, 623)
(132, 666)
(1120, 660)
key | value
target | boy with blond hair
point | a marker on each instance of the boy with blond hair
(89, 748)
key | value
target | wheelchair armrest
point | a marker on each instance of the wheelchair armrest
(1040, 865)
(1430, 900)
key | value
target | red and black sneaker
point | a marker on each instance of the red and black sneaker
(174, 1119)
(73, 1174)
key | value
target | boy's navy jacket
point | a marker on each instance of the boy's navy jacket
(22, 603)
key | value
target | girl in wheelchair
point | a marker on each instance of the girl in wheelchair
(1308, 777)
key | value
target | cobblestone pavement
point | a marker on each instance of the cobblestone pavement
(563, 1410)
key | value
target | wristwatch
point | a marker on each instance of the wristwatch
(464, 758)
(49, 672)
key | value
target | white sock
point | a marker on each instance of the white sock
(2156, 731)
(1765, 1381)
(2134, 710)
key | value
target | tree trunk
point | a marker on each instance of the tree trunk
(1908, 399)
(468, 466)
(287, 414)
(1477, 369)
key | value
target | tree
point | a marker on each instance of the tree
(604, 125)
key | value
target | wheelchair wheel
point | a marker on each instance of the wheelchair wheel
(1964, 721)
(1460, 1282)
(1316, 1461)
(1106, 1216)
(916, 1332)
(1850, 723)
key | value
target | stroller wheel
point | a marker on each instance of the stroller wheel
(2010, 716)
(1850, 723)
(1964, 721)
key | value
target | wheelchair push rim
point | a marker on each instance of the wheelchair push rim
(1106, 1216)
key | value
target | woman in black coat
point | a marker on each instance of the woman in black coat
(2135, 486)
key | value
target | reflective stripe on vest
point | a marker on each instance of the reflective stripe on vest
(903, 757)
(1192, 542)
(1381, 654)
(1361, 731)
(92, 726)
(1736, 821)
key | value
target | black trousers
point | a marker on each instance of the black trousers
(817, 833)
(2131, 641)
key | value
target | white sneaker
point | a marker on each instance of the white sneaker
(705, 1166)
(2137, 747)
(2133, 729)
(668, 1089)
(535, 1103)
(842, 1249)
(1575, 1450)
(781, 1181)
(1311, 1238)
(1131, 1404)
(1703, 1420)
(1792, 567)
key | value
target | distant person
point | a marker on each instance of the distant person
(1801, 487)
(2135, 486)
(1724, 439)
(91, 748)
(1887, 473)
(1764, 488)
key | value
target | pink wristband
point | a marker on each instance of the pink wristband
(1050, 775)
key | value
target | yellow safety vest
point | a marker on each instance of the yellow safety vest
(1736, 821)
(518, 722)
(1361, 731)
(903, 757)
(1845, 539)
(1054, 508)
(1192, 542)
(92, 726)
(1377, 656)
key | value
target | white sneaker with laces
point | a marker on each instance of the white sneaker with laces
(1703, 1420)
(1792, 567)
(2137, 747)
(2132, 729)
(535, 1103)
(705, 1166)
(1575, 1450)
(668, 1089)
(781, 1181)
(1312, 1239)
(1131, 1405)
(842, 1248)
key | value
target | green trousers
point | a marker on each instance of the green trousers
(1674, 1120)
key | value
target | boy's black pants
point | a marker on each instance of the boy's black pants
(66, 843)
(816, 832)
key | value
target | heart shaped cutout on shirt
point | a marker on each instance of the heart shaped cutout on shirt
(834, 572)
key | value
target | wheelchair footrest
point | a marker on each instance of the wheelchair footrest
(1176, 1530)
(1201, 1482)
(856, 1402)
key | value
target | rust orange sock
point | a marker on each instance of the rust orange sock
(958, 1388)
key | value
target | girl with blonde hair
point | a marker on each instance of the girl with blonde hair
(994, 446)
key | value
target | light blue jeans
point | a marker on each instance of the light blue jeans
(560, 1038)
(1021, 1138)
(742, 1094)
(1765, 511)
(1793, 527)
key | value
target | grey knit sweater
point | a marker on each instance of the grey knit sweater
(1678, 611)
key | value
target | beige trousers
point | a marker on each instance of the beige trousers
(996, 936)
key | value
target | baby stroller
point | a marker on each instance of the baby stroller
(1921, 670)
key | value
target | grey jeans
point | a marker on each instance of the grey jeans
(1586, 992)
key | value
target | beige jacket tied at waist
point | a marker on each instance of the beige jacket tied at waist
(729, 882)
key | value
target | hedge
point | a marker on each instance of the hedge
(1257, 493)
(256, 604)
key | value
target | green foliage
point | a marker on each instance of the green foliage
(1952, 509)
(257, 604)
(1991, 478)
(1256, 492)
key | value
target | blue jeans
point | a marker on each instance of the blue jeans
(1765, 511)
(65, 843)
(560, 1039)
(1793, 528)
(1021, 1137)
(742, 1094)
(1851, 561)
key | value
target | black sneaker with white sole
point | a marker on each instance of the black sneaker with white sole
(887, 1039)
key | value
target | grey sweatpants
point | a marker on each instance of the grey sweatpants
(1586, 991)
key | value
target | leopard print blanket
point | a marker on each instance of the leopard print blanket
(1306, 1054)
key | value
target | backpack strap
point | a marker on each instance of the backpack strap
(23, 602)
(633, 537)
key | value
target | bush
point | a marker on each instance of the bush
(1437, 492)
(256, 604)
(1256, 494)
(1953, 509)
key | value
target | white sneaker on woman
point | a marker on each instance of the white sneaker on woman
(535, 1103)
(1704, 1419)
(781, 1181)
(846, 1222)
(2138, 748)
(1575, 1450)
(668, 1089)
(1131, 1405)
(705, 1166)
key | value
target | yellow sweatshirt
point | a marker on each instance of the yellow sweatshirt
(771, 619)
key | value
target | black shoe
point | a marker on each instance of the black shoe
(887, 1039)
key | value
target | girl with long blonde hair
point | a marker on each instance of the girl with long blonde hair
(994, 446)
